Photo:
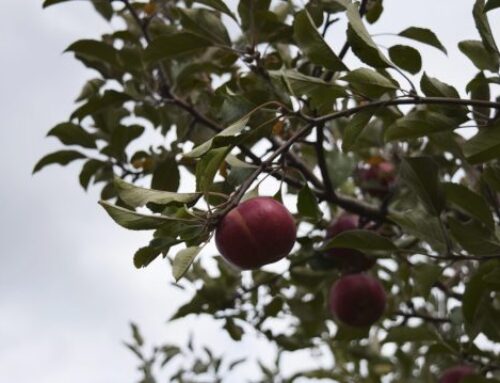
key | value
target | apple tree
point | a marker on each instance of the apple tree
(354, 203)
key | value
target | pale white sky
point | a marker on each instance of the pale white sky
(67, 284)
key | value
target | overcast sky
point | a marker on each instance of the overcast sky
(67, 284)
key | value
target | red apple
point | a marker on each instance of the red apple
(377, 179)
(257, 232)
(456, 374)
(347, 259)
(357, 300)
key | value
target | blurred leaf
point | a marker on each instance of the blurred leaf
(218, 5)
(471, 203)
(62, 157)
(479, 89)
(110, 99)
(432, 87)
(312, 43)
(145, 255)
(491, 5)
(168, 46)
(419, 123)
(363, 240)
(48, 3)
(71, 134)
(120, 138)
(95, 50)
(89, 169)
(483, 26)
(421, 225)
(423, 35)
(478, 54)
(235, 332)
(166, 175)
(492, 176)
(340, 166)
(104, 8)
(405, 334)
(307, 205)
(136, 196)
(474, 238)
(484, 146)
(183, 260)
(421, 174)
(205, 24)
(355, 127)
(425, 276)
(406, 58)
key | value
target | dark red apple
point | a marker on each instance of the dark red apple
(377, 179)
(257, 232)
(357, 300)
(350, 260)
(456, 374)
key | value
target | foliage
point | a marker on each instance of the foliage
(253, 92)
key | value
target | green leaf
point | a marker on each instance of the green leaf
(133, 220)
(355, 127)
(432, 87)
(301, 85)
(491, 5)
(307, 205)
(88, 170)
(419, 123)
(205, 24)
(477, 53)
(71, 134)
(218, 5)
(168, 46)
(406, 58)
(110, 99)
(62, 157)
(420, 224)
(479, 89)
(95, 50)
(483, 26)
(421, 174)
(363, 240)
(484, 146)
(366, 76)
(403, 334)
(207, 167)
(121, 137)
(166, 175)
(474, 238)
(230, 132)
(360, 39)
(312, 43)
(145, 255)
(423, 35)
(104, 8)
(476, 304)
(136, 196)
(469, 202)
(183, 260)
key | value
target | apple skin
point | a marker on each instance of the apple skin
(378, 179)
(350, 260)
(257, 232)
(357, 300)
(456, 374)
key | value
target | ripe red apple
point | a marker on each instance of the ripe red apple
(357, 300)
(347, 259)
(456, 374)
(257, 232)
(377, 179)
